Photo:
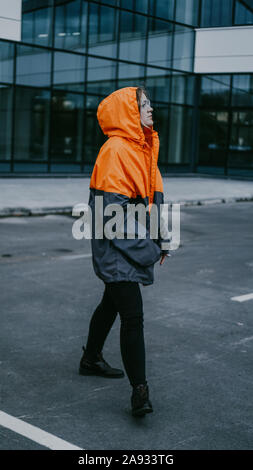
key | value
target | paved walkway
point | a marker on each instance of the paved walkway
(35, 196)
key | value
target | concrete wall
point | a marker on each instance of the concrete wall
(10, 19)
(226, 50)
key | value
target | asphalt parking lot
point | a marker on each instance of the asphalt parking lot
(199, 341)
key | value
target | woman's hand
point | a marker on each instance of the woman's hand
(163, 258)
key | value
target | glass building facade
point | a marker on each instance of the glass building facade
(75, 52)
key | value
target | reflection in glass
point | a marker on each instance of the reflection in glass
(163, 9)
(132, 36)
(160, 43)
(183, 48)
(102, 30)
(136, 5)
(158, 84)
(6, 62)
(160, 117)
(215, 90)
(241, 147)
(33, 66)
(37, 22)
(101, 76)
(180, 134)
(182, 88)
(213, 129)
(244, 12)
(69, 71)
(31, 124)
(187, 11)
(242, 132)
(242, 90)
(67, 127)
(216, 13)
(6, 122)
(71, 25)
(130, 75)
(93, 135)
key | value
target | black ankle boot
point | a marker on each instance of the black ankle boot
(96, 365)
(140, 400)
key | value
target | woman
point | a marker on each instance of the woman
(125, 172)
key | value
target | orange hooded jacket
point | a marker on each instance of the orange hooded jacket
(125, 172)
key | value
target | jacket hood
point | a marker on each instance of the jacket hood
(118, 115)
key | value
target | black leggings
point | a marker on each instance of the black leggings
(123, 297)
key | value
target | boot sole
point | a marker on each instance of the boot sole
(90, 372)
(142, 411)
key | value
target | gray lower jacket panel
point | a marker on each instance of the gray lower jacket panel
(124, 259)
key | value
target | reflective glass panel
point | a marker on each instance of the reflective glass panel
(71, 25)
(183, 50)
(37, 22)
(69, 71)
(136, 5)
(102, 30)
(242, 90)
(187, 11)
(158, 84)
(162, 8)
(160, 117)
(6, 96)
(244, 12)
(180, 134)
(132, 36)
(160, 43)
(182, 91)
(33, 66)
(213, 130)
(242, 133)
(67, 127)
(6, 62)
(215, 90)
(216, 13)
(130, 75)
(93, 135)
(31, 124)
(101, 76)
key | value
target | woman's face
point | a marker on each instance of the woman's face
(145, 111)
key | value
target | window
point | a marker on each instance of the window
(37, 22)
(183, 48)
(215, 90)
(216, 13)
(71, 25)
(159, 43)
(242, 90)
(69, 71)
(67, 127)
(101, 76)
(31, 124)
(33, 66)
(132, 36)
(6, 97)
(102, 30)
(6, 62)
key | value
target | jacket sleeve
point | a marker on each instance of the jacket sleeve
(163, 231)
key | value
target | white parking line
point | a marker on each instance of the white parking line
(35, 434)
(242, 298)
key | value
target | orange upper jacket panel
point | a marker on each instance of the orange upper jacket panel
(126, 163)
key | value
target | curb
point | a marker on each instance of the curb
(25, 212)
